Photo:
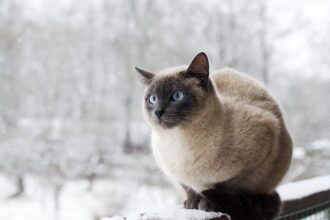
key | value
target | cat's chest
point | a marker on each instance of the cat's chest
(181, 157)
(172, 149)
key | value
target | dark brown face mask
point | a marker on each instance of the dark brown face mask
(177, 98)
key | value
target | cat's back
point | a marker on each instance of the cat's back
(242, 88)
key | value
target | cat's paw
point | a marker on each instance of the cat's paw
(207, 205)
(192, 202)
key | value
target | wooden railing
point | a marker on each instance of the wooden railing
(315, 205)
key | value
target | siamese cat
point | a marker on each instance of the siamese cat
(221, 137)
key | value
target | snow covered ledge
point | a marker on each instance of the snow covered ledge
(174, 213)
(304, 194)
(295, 196)
(304, 188)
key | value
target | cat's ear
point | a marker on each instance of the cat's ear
(200, 65)
(146, 76)
(199, 68)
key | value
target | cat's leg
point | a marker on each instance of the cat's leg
(241, 205)
(207, 200)
(263, 206)
(192, 200)
(207, 204)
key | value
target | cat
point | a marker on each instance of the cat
(221, 137)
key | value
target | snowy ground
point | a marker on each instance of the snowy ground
(109, 198)
(76, 202)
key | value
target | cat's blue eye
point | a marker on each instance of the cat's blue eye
(152, 99)
(177, 96)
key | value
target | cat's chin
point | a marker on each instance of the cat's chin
(164, 124)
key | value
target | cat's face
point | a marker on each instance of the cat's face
(176, 98)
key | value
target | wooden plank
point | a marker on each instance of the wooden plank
(305, 202)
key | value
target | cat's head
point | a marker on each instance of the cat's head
(175, 97)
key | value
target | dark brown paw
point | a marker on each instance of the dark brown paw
(207, 205)
(193, 198)
(192, 202)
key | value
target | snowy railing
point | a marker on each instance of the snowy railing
(307, 199)
(173, 213)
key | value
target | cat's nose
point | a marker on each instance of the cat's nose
(159, 113)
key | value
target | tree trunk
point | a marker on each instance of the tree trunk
(19, 186)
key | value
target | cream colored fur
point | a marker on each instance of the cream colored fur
(240, 137)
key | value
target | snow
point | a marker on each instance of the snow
(111, 197)
(38, 202)
(304, 188)
(299, 153)
(108, 197)
(171, 213)
(322, 144)
(288, 191)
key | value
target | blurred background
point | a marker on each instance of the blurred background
(73, 143)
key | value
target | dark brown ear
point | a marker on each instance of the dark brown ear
(199, 68)
(145, 75)
(200, 65)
